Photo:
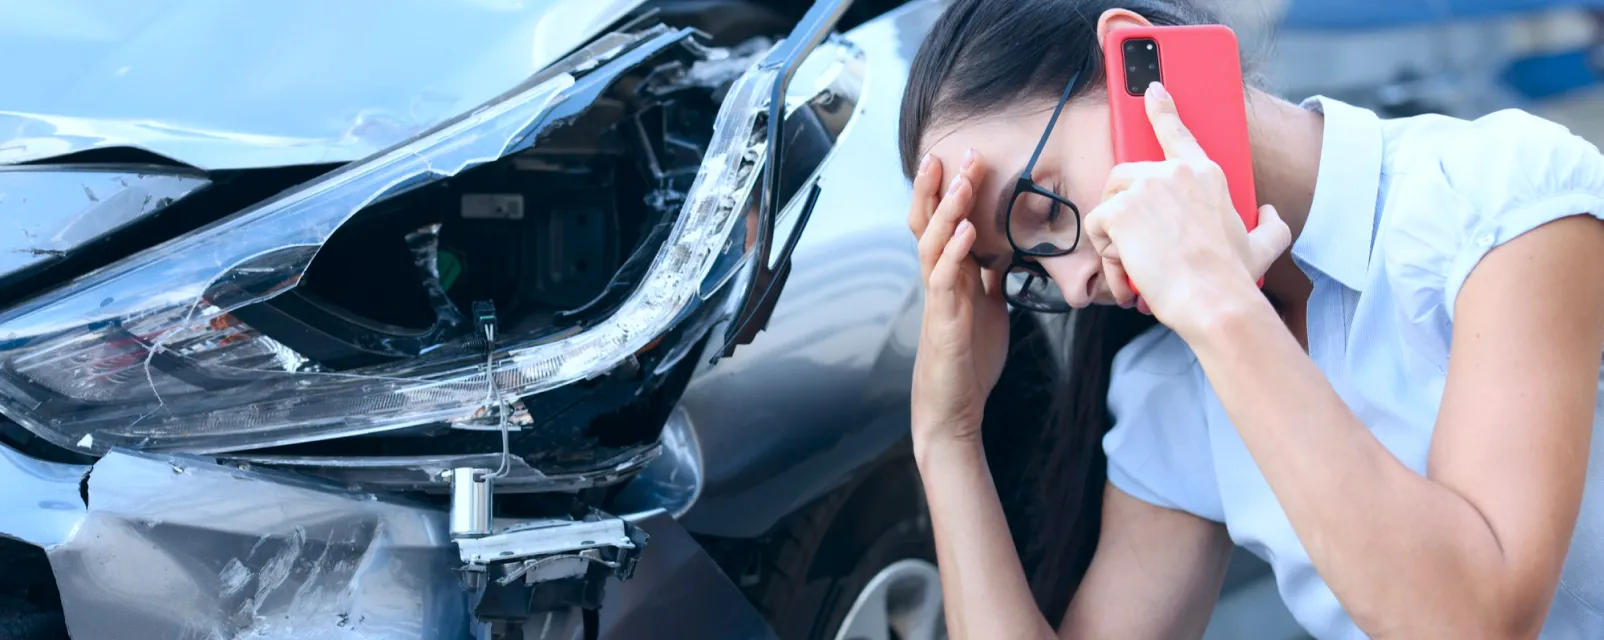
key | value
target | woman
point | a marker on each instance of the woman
(1403, 433)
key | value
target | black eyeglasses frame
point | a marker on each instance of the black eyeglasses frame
(1024, 184)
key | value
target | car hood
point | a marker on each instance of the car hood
(228, 85)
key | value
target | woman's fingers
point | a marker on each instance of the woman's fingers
(1119, 282)
(1268, 240)
(948, 272)
(956, 203)
(1126, 174)
(926, 194)
(1177, 141)
(1097, 227)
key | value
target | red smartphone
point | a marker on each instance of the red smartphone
(1201, 67)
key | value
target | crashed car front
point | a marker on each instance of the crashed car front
(295, 419)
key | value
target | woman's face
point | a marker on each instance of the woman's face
(1075, 163)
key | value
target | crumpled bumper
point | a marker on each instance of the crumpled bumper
(181, 547)
(177, 547)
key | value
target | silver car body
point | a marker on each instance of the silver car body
(179, 546)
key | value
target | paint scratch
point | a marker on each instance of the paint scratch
(233, 577)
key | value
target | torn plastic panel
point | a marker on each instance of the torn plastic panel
(59, 209)
(108, 73)
(182, 547)
(156, 361)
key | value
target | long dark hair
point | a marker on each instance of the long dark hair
(981, 57)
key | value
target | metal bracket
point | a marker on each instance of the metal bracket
(551, 537)
(552, 549)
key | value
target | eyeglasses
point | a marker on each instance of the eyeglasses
(1040, 224)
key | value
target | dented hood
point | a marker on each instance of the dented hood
(228, 85)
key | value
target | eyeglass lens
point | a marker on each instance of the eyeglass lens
(1027, 289)
(1041, 225)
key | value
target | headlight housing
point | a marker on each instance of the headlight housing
(147, 353)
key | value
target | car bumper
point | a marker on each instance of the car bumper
(178, 547)
(165, 546)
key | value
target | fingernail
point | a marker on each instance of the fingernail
(969, 158)
(1128, 303)
(924, 164)
(1157, 91)
(953, 188)
(965, 226)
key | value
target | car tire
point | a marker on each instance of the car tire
(818, 566)
(30, 608)
(823, 559)
(21, 620)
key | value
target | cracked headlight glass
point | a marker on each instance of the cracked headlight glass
(155, 352)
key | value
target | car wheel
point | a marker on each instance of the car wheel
(859, 564)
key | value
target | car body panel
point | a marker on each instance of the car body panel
(677, 592)
(249, 85)
(825, 388)
(40, 503)
(59, 210)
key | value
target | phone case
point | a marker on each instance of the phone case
(1201, 67)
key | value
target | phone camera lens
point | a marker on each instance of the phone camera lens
(1149, 46)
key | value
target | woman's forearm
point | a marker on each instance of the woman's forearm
(1402, 553)
(984, 587)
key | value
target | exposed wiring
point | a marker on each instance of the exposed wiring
(485, 313)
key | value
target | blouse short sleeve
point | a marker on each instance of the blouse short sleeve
(1485, 182)
(1158, 449)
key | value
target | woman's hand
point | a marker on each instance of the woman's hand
(963, 340)
(1170, 227)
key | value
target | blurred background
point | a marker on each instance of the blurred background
(1460, 57)
(1463, 58)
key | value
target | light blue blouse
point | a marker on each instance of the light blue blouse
(1403, 210)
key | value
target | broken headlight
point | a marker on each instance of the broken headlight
(153, 352)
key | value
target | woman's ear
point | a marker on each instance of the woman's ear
(1118, 19)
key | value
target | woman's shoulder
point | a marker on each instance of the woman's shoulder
(1495, 162)
(1456, 189)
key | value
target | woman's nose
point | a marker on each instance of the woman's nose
(1076, 276)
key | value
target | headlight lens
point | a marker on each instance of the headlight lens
(145, 353)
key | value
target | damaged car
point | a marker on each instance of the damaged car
(490, 319)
